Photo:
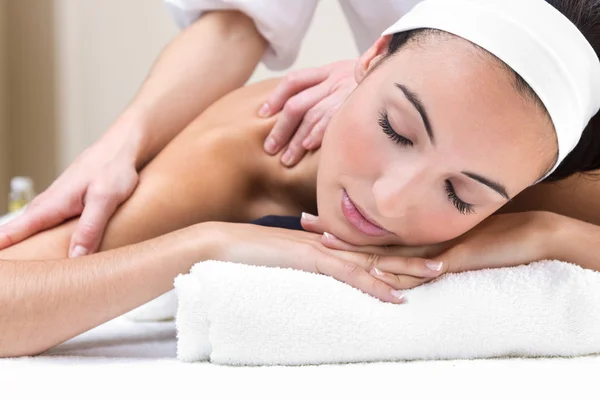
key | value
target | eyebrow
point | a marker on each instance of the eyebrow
(418, 104)
(496, 186)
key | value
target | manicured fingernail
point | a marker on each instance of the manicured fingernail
(434, 265)
(307, 142)
(263, 111)
(376, 271)
(287, 157)
(308, 217)
(78, 251)
(270, 145)
(329, 236)
(397, 294)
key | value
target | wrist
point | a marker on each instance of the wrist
(202, 241)
(569, 240)
(556, 232)
(127, 138)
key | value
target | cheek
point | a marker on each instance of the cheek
(427, 227)
(351, 146)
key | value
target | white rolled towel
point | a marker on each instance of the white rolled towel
(251, 315)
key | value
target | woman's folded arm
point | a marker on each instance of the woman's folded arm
(44, 303)
(577, 242)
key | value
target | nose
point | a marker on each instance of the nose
(401, 188)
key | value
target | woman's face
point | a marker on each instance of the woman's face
(431, 142)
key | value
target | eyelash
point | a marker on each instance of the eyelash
(461, 206)
(384, 122)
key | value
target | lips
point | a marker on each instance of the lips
(359, 220)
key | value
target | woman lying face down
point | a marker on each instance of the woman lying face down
(438, 135)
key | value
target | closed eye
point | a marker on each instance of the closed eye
(384, 122)
(462, 207)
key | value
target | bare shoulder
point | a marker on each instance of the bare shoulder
(577, 197)
(232, 134)
(240, 105)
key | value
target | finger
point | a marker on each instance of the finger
(89, 231)
(293, 154)
(311, 223)
(333, 242)
(293, 83)
(429, 251)
(375, 262)
(355, 276)
(315, 138)
(311, 119)
(293, 112)
(41, 216)
(412, 266)
(330, 104)
(296, 150)
(399, 282)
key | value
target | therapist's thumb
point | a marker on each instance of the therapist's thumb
(90, 229)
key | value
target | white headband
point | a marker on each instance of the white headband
(537, 42)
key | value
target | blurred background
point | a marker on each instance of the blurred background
(69, 67)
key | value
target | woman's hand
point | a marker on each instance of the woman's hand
(273, 247)
(502, 240)
(99, 180)
(309, 98)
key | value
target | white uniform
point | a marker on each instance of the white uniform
(283, 23)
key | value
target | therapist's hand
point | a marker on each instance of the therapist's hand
(99, 180)
(308, 98)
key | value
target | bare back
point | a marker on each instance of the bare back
(214, 170)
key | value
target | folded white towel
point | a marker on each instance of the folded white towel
(240, 314)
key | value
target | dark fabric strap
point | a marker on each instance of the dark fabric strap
(276, 221)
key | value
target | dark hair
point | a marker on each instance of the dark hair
(585, 14)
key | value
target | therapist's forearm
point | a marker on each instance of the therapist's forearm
(210, 58)
(44, 303)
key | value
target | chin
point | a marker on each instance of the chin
(343, 230)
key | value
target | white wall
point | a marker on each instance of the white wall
(106, 47)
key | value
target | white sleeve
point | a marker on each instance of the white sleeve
(283, 23)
